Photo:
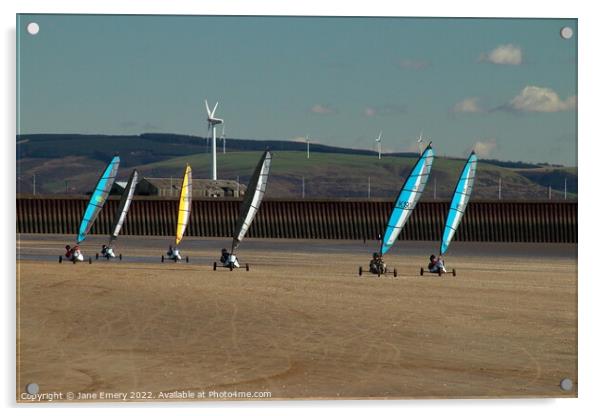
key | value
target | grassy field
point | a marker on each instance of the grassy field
(326, 174)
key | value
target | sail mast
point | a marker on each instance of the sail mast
(185, 204)
(98, 198)
(253, 197)
(124, 206)
(408, 197)
(459, 201)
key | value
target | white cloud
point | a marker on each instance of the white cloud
(322, 109)
(504, 55)
(415, 64)
(485, 147)
(540, 99)
(385, 110)
(467, 105)
(369, 112)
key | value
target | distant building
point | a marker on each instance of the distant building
(118, 188)
(170, 187)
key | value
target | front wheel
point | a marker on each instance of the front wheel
(96, 256)
(162, 259)
(454, 272)
(360, 271)
(247, 266)
(422, 271)
(231, 266)
(89, 260)
(439, 272)
(187, 259)
(214, 266)
(394, 272)
(120, 256)
(60, 259)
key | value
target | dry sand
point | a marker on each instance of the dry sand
(300, 324)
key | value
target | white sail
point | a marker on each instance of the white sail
(254, 196)
(124, 205)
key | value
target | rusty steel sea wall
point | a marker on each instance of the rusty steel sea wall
(550, 222)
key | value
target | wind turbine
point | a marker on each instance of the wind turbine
(419, 141)
(378, 143)
(212, 121)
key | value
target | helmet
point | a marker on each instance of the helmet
(224, 250)
(432, 257)
(68, 247)
(374, 255)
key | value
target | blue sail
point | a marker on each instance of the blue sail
(407, 198)
(459, 201)
(98, 198)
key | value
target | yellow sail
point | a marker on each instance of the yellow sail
(185, 204)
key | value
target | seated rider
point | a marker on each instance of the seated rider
(68, 251)
(376, 264)
(104, 250)
(436, 264)
(170, 251)
(225, 256)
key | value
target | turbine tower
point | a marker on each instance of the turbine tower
(378, 143)
(223, 138)
(212, 121)
(307, 141)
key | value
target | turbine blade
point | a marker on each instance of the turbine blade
(207, 107)
(214, 108)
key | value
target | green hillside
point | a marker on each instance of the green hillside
(343, 175)
(72, 163)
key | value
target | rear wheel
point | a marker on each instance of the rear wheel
(247, 266)
(187, 259)
(231, 267)
(214, 266)
(394, 272)
(89, 260)
(360, 271)
(454, 272)
(422, 271)
(439, 272)
(60, 259)
(96, 256)
(120, 256)
(162, 259)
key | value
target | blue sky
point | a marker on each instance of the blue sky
(506, 87)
